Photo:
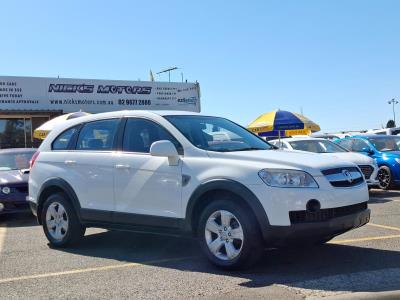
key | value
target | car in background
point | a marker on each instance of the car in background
(385, 131)
(385, 149)
(14, 173)
(329, 136)
(367, 165)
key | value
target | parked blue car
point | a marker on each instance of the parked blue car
(385, 149)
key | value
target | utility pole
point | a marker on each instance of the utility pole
(393, 102)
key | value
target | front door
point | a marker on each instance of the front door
(144, 184)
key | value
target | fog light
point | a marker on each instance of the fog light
(1, 206)
(313, 206)
(6, 190)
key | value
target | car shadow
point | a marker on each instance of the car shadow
(381, 196)
(330, 267)
(22, 219)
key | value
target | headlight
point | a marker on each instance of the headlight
(397, 160)
(6, 190)
(287, 178)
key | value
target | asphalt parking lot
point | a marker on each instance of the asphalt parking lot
(119, 265)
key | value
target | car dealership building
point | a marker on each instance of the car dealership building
(28, 102)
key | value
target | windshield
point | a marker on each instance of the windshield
(387, 143)
(317, 146)
(15, 160)
(217, 134)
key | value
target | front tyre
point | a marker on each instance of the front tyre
(229, 235)
(60, 222)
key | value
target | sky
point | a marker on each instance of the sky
(337, 61)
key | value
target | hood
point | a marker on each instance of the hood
(391, 153)
(12, 177)
(357, 158)
(312, 163)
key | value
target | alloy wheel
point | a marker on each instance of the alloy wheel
(224, 235)
(384, 178)
(57, 221)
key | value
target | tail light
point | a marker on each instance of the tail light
(33, 159)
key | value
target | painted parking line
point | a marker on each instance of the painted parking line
(372, 238)
(94, 269)
(384, 226)
(2, 237)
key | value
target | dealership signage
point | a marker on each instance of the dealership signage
(69, 95)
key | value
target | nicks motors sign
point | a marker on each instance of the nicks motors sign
(68, 95)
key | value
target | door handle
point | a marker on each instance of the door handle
(70, 162)
(122, 167)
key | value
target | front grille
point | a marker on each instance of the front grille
(345, 183)
(303, 216)
(366, 170)
(343, 177)
(17, 188)
(22, 189)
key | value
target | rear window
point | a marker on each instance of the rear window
(63, 140)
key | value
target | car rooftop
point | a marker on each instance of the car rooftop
(373, 136)
(12, 150)
(302, 138)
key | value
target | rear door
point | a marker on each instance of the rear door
(90, 166)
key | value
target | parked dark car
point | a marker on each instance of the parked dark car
(14, 173)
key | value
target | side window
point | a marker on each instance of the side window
(63, 140)
(346, 144)
(359, 145)
(141, 133)
(98, 135)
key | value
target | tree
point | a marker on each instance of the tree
(390, 124)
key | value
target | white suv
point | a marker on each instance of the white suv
(179, 172)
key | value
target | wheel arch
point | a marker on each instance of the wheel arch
(201, 197)
(56, 185)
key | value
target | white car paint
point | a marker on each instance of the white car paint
(149, 185)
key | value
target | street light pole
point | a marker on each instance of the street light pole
(169, 72)
(393, 102)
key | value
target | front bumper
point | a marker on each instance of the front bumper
(33, 207)
(8, 206)
(372, 182)
(278, 236)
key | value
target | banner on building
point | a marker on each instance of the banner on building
(94, 96)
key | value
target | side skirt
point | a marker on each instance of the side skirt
(133, 222)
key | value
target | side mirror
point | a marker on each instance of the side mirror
(165, 148)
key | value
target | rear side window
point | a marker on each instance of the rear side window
(141, 133)
(98, 135)
(63, 140)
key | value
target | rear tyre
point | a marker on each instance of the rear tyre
(229, 235)
(385, 178)
(60, 222)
